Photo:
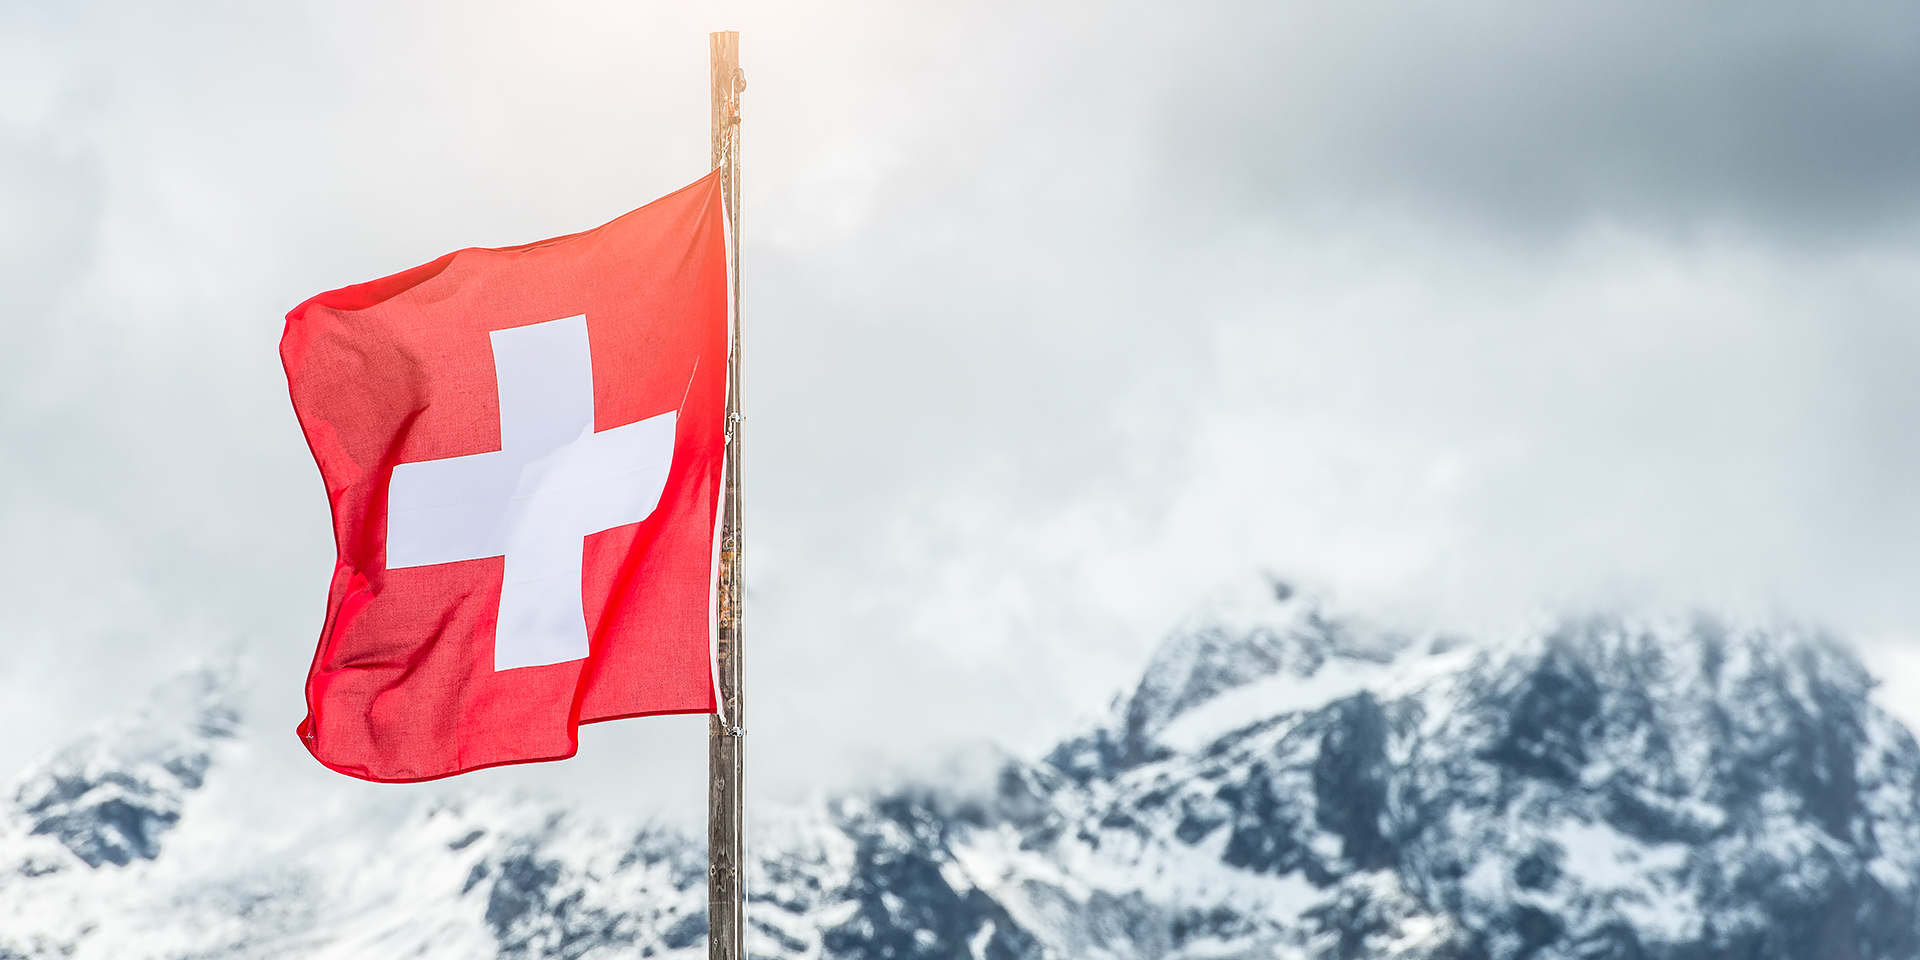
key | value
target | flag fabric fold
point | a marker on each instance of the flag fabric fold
(523, 450)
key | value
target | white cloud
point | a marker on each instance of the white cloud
(1058, 315)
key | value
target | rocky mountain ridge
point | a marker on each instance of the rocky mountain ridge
(1281, 783)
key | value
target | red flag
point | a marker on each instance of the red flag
(523, 449)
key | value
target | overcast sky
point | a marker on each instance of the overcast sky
(1059, 316)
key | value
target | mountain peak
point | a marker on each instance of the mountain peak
(1243, 644)
(1298, 785)
(112, 793)
(1246, 635)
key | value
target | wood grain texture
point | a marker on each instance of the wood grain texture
(726, 741)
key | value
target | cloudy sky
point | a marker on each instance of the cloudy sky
(1060, 315)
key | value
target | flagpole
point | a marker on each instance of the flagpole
(726, 733)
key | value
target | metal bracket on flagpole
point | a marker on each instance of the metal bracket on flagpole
(736, 731)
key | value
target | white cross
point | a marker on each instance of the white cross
(534, 501)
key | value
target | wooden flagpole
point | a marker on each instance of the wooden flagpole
(726, 733)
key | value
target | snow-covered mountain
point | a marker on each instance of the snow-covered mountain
(1280, 784)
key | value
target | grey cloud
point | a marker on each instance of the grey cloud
(1792, 117)
(1057, 313)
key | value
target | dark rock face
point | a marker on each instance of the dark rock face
(111, 830)
(113, 794)
(1281, 784)
(1609, 790)
(906, 905)
(541, 901)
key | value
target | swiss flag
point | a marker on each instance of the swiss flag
(523, 448)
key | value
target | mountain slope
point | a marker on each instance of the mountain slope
(1281, 783)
